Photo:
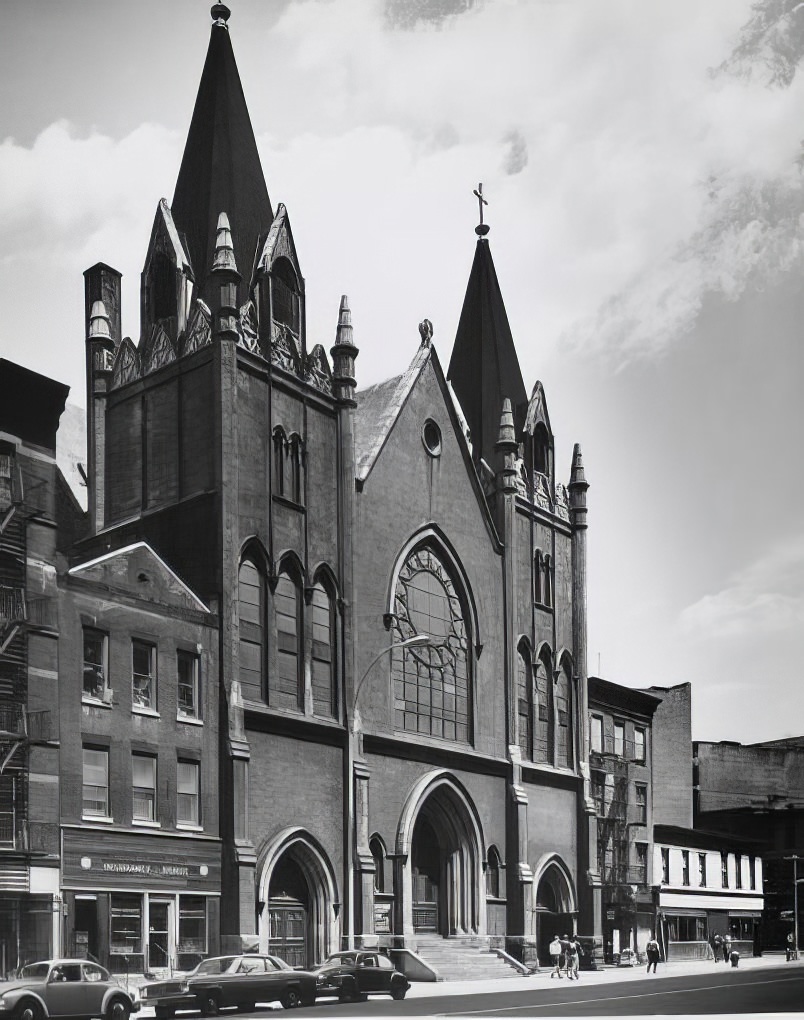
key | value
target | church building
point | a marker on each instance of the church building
(375, 603)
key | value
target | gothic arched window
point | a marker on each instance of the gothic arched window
(564, 742)
(251, 610)
(541, 450)
(547, 589)
(538, 577)
(323, 652)
(543, 741)
(431, 683)
(287, 690)
(279, 460)
(161, 288)
(294, 463)
(378, 854)
(493, 873)
(524, 684)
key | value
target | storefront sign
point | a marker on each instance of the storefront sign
(129, 868)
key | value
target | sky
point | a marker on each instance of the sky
(643, 168)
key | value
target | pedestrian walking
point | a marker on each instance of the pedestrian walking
(555, 957)
(726, 948)
(717, 947)
(790, 950)
(652, 952)
(577, 953)
(565, 955)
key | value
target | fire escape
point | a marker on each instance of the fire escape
(19, 727)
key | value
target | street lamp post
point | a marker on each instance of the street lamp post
(355, 750)
(795, 859)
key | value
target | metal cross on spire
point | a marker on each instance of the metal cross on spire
(482, 228)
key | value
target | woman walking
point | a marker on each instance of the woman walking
(652, 951)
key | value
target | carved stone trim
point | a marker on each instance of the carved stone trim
(199, 333)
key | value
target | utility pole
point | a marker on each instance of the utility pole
(795, 859)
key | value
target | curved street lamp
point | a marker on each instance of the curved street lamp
(417, 641)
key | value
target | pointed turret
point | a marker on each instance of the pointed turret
(343, 354)
(484, 368)
(221, 167)
(506, 447)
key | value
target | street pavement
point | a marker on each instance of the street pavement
(761, 986)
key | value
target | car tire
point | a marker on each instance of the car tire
(209, 1004)
(398, 992)
(29, 1010)
(291, 998)
(118, 1009)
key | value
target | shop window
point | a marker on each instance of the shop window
(323, 652)
(431, 683)
(619, 739)
(125, 929)
(286, 689)
(192, 926)
(738, 871)
(494, 874)
(685, 867)
(639, 744)
(665, 865)
(687, 929)
(95, 664)
(95, 782)
(143, 656)
(702, 870)
(187, 665)
(641, 804)
(724, 869)
(742, 928)
(251, 610)
(143, 786)
(188, 793)
(596, 733)
(525, 701)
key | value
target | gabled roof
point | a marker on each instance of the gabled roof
(221, 170)
(378, 408)
(139, 570)
(484, 368)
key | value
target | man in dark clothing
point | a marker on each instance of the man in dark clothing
(652, 952)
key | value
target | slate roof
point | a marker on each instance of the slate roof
(377, 409)
(484, 368)
(220, 170)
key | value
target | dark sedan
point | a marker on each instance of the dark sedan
(222, 981)
(65, 988)
(356, 975)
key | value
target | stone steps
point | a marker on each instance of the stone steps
(463, 959)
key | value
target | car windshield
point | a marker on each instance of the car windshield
(342, 958)
(35, 970)
(218, 965)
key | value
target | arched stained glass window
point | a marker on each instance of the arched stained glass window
(524, 683)
(565, 747)
(286, 692)
(543, 741)
(251, 609)
(323, 653)
(493, 873)
(431, 683)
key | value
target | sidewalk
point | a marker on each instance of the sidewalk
(608, 975)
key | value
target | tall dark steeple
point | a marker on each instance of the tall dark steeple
(484, 369)
(220, 169)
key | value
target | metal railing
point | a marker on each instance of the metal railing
(17, 721)
(13, 831)
(12, 605)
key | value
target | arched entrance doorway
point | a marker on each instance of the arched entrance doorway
(298, 903)
(555, 908)
(440, 835)
(288, 912)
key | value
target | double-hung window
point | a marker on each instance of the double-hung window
(702, 870)
(143, 785)
(189, 706)
(619, 739)
(95, 800)
(639, 744)
(685, 867)
(596, 735)
(188, 790)
(143, 659)
(95, 663)
(641, 803)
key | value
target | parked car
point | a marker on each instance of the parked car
(231, 981)
(355, 975)
(65, 988)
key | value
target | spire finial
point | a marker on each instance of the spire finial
(220, 15)
(482, 228)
